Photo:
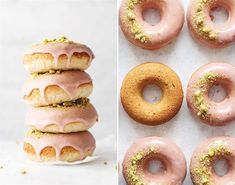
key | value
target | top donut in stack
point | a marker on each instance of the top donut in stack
(58, 87)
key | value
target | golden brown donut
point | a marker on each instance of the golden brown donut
(151, 113)
(50, 89)
(45, 147)
(57, 54)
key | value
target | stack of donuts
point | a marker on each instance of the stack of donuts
(57, 91)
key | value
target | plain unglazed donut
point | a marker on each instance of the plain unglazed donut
(204, 157)
(65, 118)
(57, 54)
(199, 102)
(144, 35)
(50, 89)
(151, 113)
(70, 147)
(137, 158)
(204, 30)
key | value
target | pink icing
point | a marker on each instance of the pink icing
(68, 81)
(161, 34)
(203, 149)
(219, 112)
(43, 116)
(167, 151)
(225, 31)
(81, 141)
(57, 49)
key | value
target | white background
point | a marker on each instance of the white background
(25, 22)
(184, 56)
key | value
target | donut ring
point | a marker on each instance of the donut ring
(204, 30)
(62, 119)
(138, 156)
(144, 35)
(58, 54)
(199, 102)
(151, 113)
(45, 147)
(204, 157)
(50, 89)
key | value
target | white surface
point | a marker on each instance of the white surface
(184, 56)
(24, 23)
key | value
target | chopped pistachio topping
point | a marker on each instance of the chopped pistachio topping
(58, 40)
(202, 174)
(199, 19)
(135, 27)
(23, 172)
(201, 86)
(135, 161)
(77, 102)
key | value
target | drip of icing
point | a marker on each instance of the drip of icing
(81, 141)
(58, 49)
(42, 117)
(68, 81)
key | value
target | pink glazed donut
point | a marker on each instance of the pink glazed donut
(204, 157)
(147, 36)
(204, 30)
(136, 162)
(199, 102)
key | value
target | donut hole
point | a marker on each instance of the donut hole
(217, 93)
(152, 93)
(221, 167)
(219, 15)
(155, 166)
(151, 15)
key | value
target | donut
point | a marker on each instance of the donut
(151, 113)
(204, 30)
(198, 100)
(204, 157)
(138, 157)
(46, 147)
(65, 118)
(144, 35)
(47, 89)
(57, 54)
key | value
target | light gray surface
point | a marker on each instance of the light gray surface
(24, 23)
(184, 56)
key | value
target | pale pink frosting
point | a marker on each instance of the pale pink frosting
(81, 141)
(41, 117)
(69, 81)
(168, 152)
(57, 49)
(203, 149)
(161, 34)
(225, 31)
(219, 113)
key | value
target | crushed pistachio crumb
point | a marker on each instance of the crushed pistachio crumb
(58, 40)
(202, 174)
(200, 102)
(135, 27)
(199, 19)
(51, 71)
(77, 102)
(105, 163)
(1, 167)
(23, 172)
(36, 133)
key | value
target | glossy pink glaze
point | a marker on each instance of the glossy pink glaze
(203, 149)
(41, 117)
(225, 31)
(81, 141)
(57, 49)
(69, 81)
(161, 34)
(219, 113)
(167, 152)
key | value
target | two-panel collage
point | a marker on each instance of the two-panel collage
(117, 92)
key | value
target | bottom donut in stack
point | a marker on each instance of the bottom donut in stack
(70, 147)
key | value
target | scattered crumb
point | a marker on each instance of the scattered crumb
(105, 163)
(1, 167)
(116, 167)
(23, 172)
(17, 142)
